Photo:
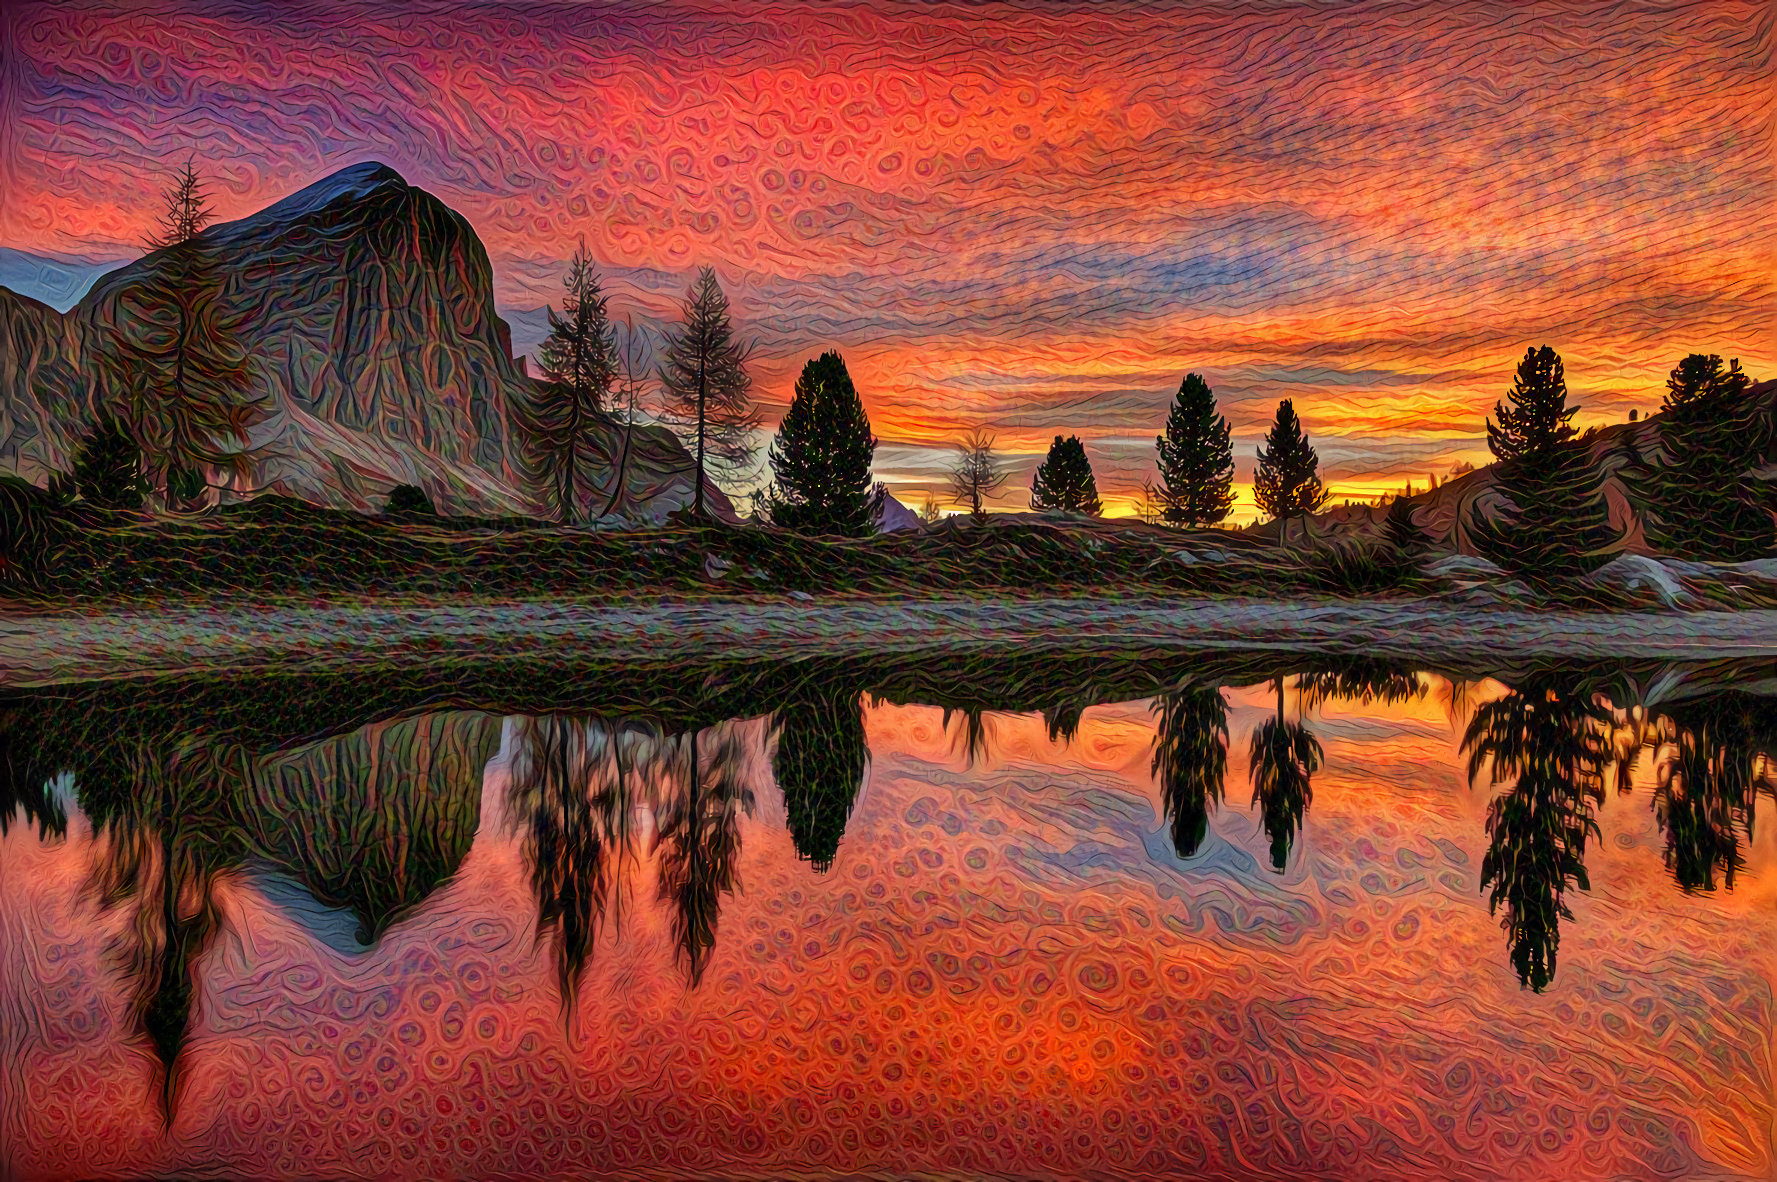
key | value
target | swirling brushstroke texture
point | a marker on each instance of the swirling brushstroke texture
(1005, 972)
(1033, 218)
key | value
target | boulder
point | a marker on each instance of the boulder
(1639, 573)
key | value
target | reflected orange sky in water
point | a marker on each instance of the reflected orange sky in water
(1005, 971)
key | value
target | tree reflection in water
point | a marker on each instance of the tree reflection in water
(975, 730)
(1360, 679)
(161, 846)
(1284, 758)
(1063, 722)
(573, 786)
(379, 817)
(1712, 758)
(1550, 741)
(1191, 759)
(700, 839)
(821, 757)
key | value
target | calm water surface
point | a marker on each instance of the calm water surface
(1182, 935)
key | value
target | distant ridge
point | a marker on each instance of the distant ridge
(59, 283)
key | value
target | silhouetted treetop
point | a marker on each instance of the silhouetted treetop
(1196, 458)
(1064, 481)
(822, 454)
(1538, 417)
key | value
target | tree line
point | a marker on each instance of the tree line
(181, 408)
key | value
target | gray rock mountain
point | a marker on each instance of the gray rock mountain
(366, 311)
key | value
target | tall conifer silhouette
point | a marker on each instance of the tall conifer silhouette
(1287, 483)
(821, 456)
(562, 421)
(1064, 481)
(1701, 503)
(708, 392)
(1554, 522)
(1196, 458)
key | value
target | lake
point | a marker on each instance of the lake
(1040, 914)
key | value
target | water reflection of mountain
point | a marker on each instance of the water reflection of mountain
(377, 819)
(368, 792)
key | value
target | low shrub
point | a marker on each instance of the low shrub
(1357, 568)
(408, 500)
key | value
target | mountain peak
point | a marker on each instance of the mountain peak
(352, 183)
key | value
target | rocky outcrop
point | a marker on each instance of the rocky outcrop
(364, 307)
(44, 404)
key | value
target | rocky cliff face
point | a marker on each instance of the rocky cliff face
(43, 402)
(365, 309)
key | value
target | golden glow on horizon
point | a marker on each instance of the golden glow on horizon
(1014, 219)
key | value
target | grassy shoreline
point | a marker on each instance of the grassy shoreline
(273, 550)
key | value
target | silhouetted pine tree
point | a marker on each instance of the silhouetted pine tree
(561, 421)
(187, 213)
(1555, 522)
(1196, 458)
(707, 388)
(1064, 482)
(175, 363)
(821, 457)
(977, 474)
(1287, 483)
(1702, 504)
(1538, 418)
(108, 467)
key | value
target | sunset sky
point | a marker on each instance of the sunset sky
(1032, 218)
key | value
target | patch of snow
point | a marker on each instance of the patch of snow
(893, 516)
(351, 183)
(1637, 572)
(1679, 566)
(1463, 566)
(1758, 568)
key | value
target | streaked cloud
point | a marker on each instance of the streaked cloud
(1032, 218)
